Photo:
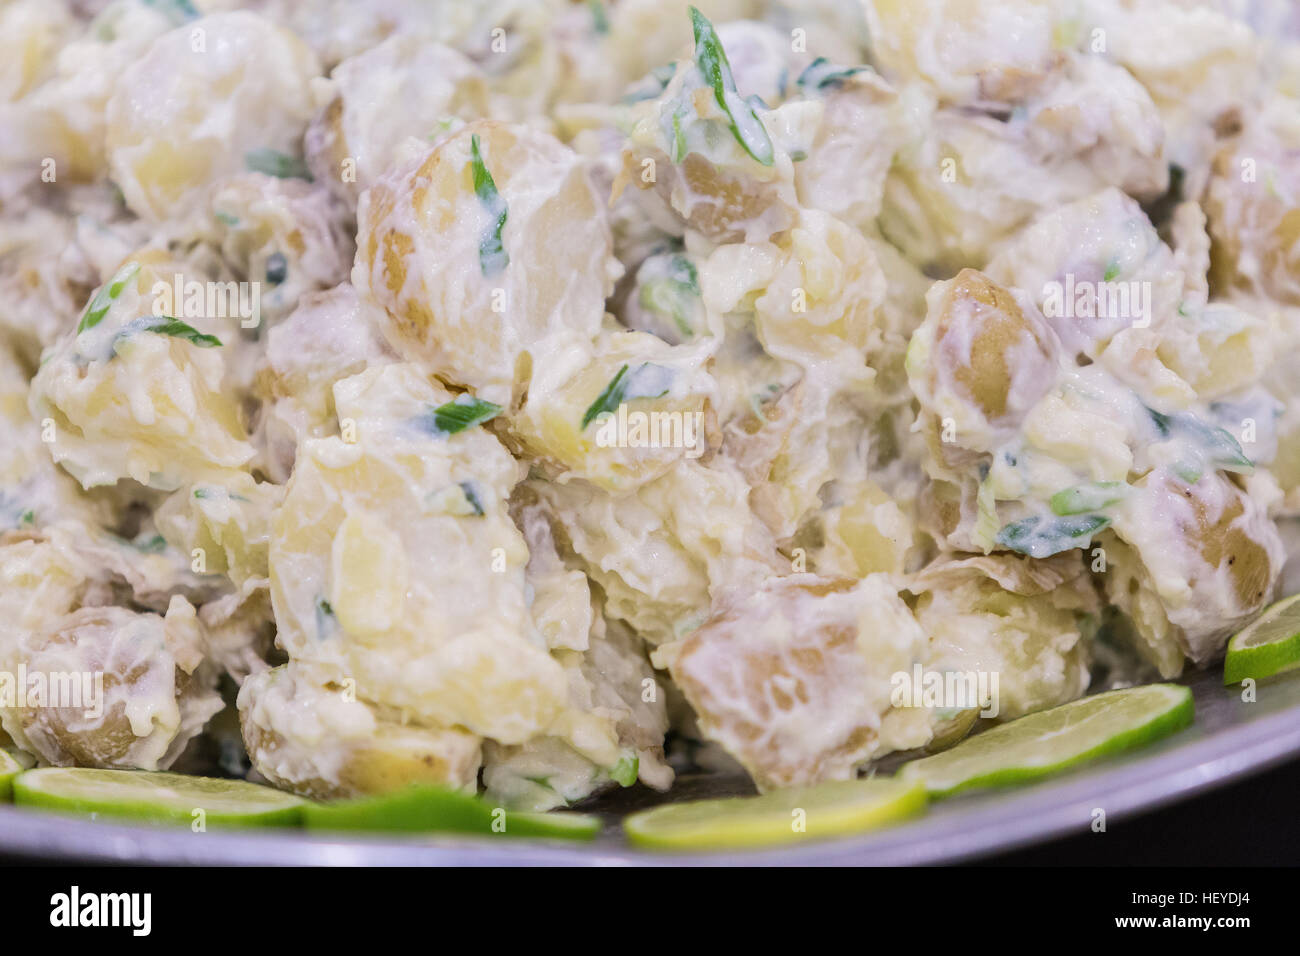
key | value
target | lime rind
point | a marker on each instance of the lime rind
(424, 809)
(156, 796)
(840, 808)
(1024, 751)
(9, 769)
(1257, 652)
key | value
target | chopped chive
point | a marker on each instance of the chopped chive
(599, 18)
(492, 255)
(471, 496)
(462, 413)
(674, 295)
(711, 59)
(646, 381)
(104, 298)
(1089, 497)
(167, 325)
(821, 74)
(272, 162)
(1041, 537)
(326, 620)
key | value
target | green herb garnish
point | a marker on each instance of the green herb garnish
(1208, 445)
(674, 295)
(821, 74)
(178, 11)
(166, 325)
(651, 85)
(272, 162)
(646, 381)
(326, 621)
(462, 413)
(104, 298)
(154, 545)
(1041, 537)
(471, 496)
(599, 19)
(1089, 497)
(711, 59)
(492, 255)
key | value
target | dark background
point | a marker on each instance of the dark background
(1254, 822)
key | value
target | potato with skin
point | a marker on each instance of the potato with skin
(350, 144)
(1105, 237)
(981, 359)
(307, 734)
(460, 254)
(150, 690)
(619, 415)
(720, 162)
(969, 52)
(727, 196)
(1253, 205)
(793, 678)
(967, 181)
(287, 235)
(167, 143)
(1198, 561)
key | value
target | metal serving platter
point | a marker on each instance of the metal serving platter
(1229, 740)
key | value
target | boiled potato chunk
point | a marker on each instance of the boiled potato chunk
(460, 252)
(793, 678)
(306, 733)
(168, 143)
(394, 561)
(120, 398)
(139, 690)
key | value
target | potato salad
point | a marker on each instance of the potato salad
(537, 398)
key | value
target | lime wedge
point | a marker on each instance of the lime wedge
(1270, 645)
(832, 809)
(156, 796)
(1053, 740)
(9, 768)
(423, 809)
